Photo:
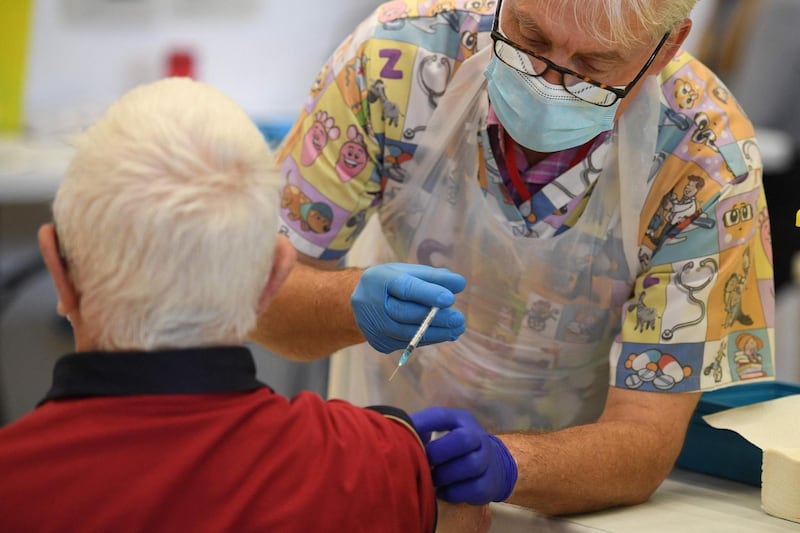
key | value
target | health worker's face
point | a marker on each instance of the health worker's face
(563, 43)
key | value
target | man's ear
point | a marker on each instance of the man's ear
(283, 260)
(674, 42)
(67, 295)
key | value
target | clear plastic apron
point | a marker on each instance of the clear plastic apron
(541, 312)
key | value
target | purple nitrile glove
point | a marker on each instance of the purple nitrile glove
(469, 465)
(391, 301)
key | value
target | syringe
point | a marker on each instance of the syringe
(415, 340)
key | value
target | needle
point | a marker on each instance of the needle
(415, 340)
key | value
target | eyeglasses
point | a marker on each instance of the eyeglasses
(578, 85)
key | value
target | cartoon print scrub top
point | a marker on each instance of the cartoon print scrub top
(697, 313)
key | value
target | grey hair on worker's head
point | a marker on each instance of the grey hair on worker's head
(167, 217)
(621, 23)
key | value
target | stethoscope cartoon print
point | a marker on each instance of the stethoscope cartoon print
(711, 266)
(428, 78)
(751, 152)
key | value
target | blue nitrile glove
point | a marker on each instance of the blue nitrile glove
(469, 465)
(391, 301)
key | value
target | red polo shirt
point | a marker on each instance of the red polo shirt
(189, 441)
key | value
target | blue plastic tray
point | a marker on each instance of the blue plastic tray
(721, 452)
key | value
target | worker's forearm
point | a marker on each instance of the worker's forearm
(310, 316)
(589, 467)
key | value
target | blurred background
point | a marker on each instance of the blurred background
(63, 61)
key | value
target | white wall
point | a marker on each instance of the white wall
(263, 53)
(701, 17)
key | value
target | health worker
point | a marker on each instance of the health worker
(581, 197)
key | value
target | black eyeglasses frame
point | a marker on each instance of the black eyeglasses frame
(618, 92)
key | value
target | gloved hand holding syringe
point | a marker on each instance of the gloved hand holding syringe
(401, 306)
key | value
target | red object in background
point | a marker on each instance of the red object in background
(181, 63)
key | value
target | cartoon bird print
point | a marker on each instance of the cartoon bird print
(733, 295)
(715, 367)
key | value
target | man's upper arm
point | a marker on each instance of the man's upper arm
(424, 481)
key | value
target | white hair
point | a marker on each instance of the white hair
(622, 22)
(167, 217)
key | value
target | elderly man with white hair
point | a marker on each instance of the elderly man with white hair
(164, 250)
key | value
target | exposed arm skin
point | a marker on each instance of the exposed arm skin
(310, 316)
(619, 460)
(462, 518)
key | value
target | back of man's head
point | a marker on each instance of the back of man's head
(167, 218)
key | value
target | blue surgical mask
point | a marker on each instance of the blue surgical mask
(542, 116)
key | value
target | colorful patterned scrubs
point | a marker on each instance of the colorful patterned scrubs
(699, 312)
